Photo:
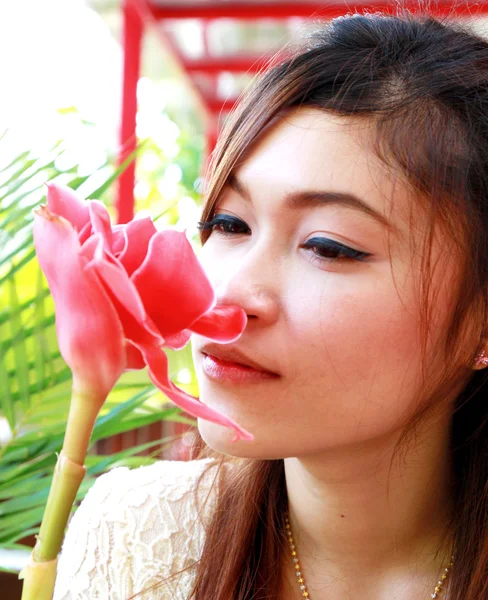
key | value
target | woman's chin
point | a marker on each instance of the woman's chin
(220, 438)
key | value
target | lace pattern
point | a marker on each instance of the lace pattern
(134, 528)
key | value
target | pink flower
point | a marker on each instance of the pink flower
(124, 292)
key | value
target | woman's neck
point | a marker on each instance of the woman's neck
(356, 511)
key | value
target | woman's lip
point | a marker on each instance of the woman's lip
(223, 370)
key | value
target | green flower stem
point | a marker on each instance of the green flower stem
(39, 578)
(40, 573)
(83, 412)
(64, 487)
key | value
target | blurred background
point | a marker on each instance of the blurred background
(122, 100)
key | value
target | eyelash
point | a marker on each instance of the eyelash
(317, 243)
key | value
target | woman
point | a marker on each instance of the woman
(347, 214)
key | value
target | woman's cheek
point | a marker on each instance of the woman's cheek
(214, 266)
(358, 331)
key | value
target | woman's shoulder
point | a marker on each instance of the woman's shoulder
(170, 485)
(165, 479)
(135, 527)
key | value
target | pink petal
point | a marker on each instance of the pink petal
(85, 232)
(157, 363)
(100, 220)
(135, 332)
(137, 234)
(64, 202)
(114, 276)
(135, 359)
(117, 283)
(118, 240)
(222, 323)
(89, 332)
(178, 340)
(172, 283)
(89, 248)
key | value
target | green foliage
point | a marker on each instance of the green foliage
(34, 380)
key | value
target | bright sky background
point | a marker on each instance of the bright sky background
(56, 54)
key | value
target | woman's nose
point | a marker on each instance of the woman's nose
(252, 284)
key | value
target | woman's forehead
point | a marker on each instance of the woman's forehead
(310, 150)
(313, 146)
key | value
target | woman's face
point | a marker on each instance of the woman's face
(342, 333)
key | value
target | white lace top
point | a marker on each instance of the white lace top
(135, 527)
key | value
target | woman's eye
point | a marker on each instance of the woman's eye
(325, 249)
(224, 225)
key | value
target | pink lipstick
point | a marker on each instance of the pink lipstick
(226, 371)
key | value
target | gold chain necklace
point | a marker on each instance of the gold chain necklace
(301, 582)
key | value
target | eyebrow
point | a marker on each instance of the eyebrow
(312, 198)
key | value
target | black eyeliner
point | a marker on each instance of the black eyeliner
(318, 242)
(327, 244)
(218, 220)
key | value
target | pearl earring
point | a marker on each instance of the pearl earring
(481, 360)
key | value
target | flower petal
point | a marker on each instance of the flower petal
(178, 340)
(135, 359)
(100, 220)
(64, 202)
(89, 248)
(157, 363)
(118, 285)
(222, 323)
(89, 332)
(134, 331)
(118, 239)
(172, 283)
(85, 233)
(137, 234)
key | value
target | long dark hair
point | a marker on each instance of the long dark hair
(424, 84)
